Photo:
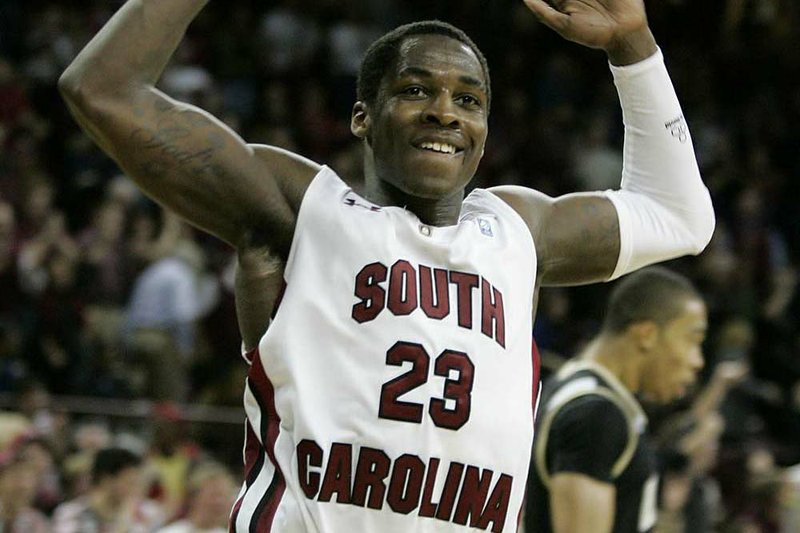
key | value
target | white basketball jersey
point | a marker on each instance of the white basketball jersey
(395, 388)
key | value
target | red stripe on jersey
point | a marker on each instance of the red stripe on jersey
(235, 514)
(264, 393)
(537, 361)
(253, 463)
(253, 455)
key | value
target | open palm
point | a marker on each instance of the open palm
(593, 23)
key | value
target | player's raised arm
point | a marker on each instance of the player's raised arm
(662, 209)
(180, 155)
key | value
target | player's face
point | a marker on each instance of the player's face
(428, 126)
(678, 355)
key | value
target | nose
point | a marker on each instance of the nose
(441, 111)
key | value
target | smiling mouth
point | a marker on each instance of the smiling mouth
(439, 148)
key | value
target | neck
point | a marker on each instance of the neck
(432, 211)
(618, 356)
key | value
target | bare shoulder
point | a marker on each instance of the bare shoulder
(293, 172)
(532, 205)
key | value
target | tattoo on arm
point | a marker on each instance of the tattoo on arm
(162, 143)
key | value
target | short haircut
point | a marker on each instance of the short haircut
(111, 461)
(652, 294)
(382, 55)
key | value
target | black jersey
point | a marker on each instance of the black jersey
(590, 424)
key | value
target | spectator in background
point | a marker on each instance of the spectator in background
(46, 268)
(170, 459)
(691, 497)
(762, 485)
(88, 438)
(168, 298)
(103, 257)
(790, 511)
(211, 491)
(115, 502)
(348, 40)
(291, 38)
(38, 453)
(18, 481)
(60, 351)
(105, 274)
(13, 367)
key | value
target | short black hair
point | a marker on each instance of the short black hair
(651, 294)
(109, 462)
(383, 53)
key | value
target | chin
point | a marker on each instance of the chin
(432, 187)
(435, 179)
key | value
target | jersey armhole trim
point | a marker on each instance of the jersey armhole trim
(319, 182)
(540, 446)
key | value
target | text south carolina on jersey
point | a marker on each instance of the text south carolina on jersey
(405, 484)
(401, 296)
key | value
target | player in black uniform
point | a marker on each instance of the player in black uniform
(593, 469)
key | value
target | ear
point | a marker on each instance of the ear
(644, 334)
(360, 121)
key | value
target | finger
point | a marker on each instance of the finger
(547, 14)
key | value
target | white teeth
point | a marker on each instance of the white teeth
(439, 147)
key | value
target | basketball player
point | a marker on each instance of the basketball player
(593, 468)
(394, 389)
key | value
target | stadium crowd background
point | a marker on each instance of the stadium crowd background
(102, 295)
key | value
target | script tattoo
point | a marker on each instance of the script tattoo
(164, 142)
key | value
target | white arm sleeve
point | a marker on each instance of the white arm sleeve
(663, 207)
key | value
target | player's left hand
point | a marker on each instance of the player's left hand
(617, 26)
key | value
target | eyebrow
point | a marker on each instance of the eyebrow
(425, 73)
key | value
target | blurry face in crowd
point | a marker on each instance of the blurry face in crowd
(215, 497)
(39, 201)
(18, 482)
(677, 354)
(110, 221)
(428, 126)
(128, 483)
(38, 456)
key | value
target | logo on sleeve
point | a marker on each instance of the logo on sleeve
(353, 201)
(485, 227)
(678, 129)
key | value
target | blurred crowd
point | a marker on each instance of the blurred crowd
(103, 294)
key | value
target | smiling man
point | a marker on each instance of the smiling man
(395, 388)
(594, 469)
